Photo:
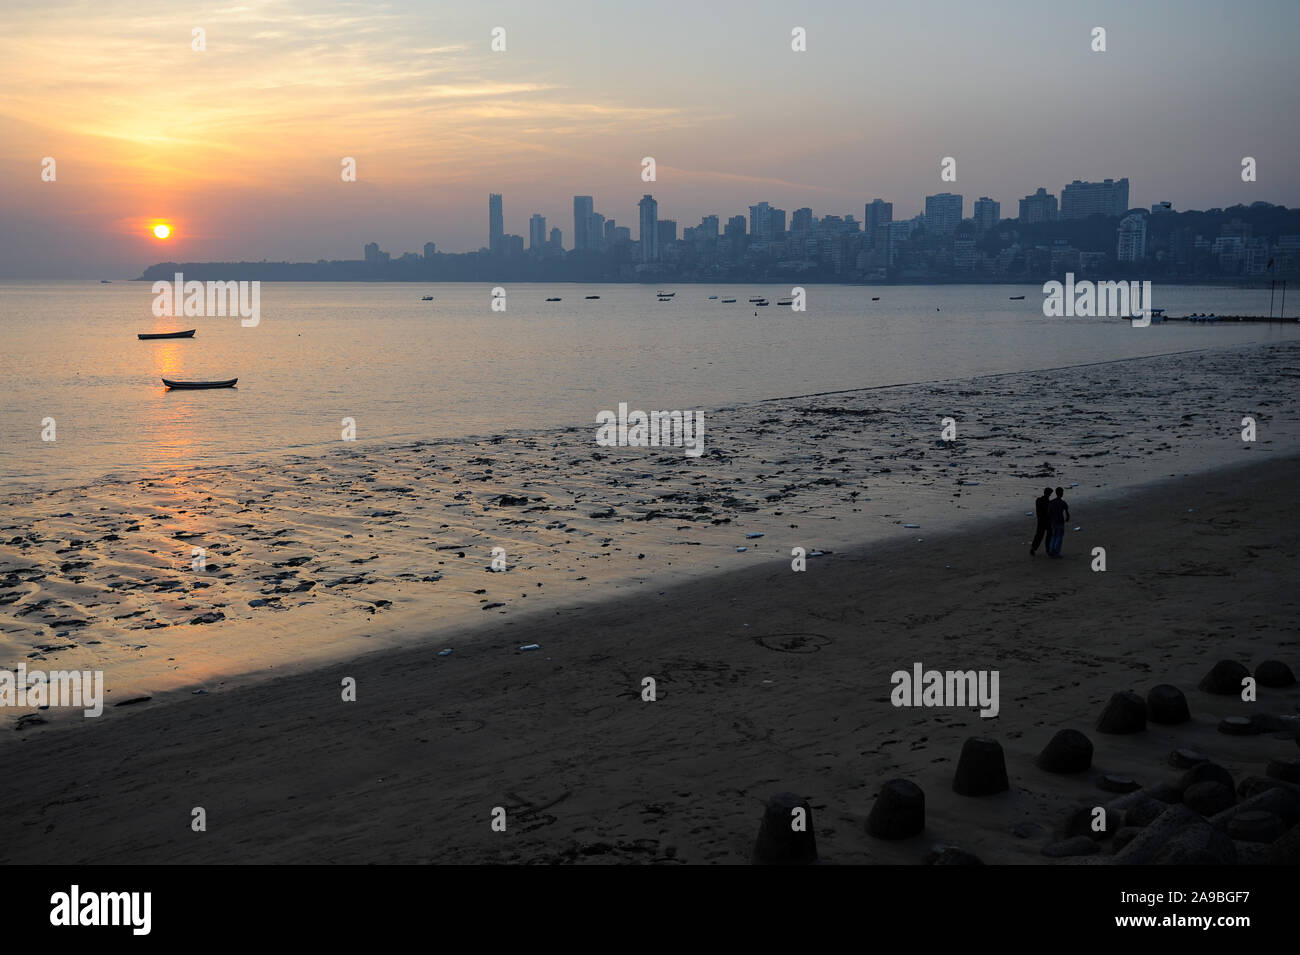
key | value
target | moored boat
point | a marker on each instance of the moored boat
(194, 385)
(1017, 298)
(188, 333)
(553, 299)
(728, 301)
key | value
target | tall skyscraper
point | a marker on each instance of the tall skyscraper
(987, 213)
(429, 250)
(877, 212)
(943, 213)
(536, 232)
(667, 232)
(595, 232)
(777, 218)
(708, 228)
(582, 208)
(496, 229)
(1132, 245)
(1040, 207)
(1081, 199)
(801, 221)
(760, 222)
(649, 232)
(557, 240)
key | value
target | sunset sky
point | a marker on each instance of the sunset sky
(239, 146)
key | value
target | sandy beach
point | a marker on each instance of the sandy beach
(625, 565)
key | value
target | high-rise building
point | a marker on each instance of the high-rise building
(778, 224)
(987, 213)
(429, 250)
(595, 232)
(667, 232)
(557, 240)
(536, 232)
(1040, 207)
(801, 220)
(372, 253)
(708, 228)
(878, 212)
(649, 232)
(582, 209)
(760, 222)
(1132, 246)
(1081, 199)
(943, 213)
(512, 245)
(496, 229)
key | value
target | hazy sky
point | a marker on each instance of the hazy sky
(239, 146)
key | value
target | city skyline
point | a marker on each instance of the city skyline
(239, 145)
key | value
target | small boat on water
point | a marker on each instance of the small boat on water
(757, 298)
(427, 298)
(590, 297)
(553, 300)
(1017, 298)
(144, 336)
(105, 281)
(192, 385)
(712, 297)
(665, 294)
(762, 301)
(728, 301)
(875, 298)
(786, 302)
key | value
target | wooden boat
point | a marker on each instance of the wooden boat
(1017, 298)
(552, 300)
(427, 298)
(728, 301)
(786, 302)
(188, 333)
(191, 385)
(590, 297)
(757, 298)
(712, 297)
(665, 294)
(762, 301)
(875, 298)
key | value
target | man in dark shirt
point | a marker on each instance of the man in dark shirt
(1058, 513)
(1044, 525)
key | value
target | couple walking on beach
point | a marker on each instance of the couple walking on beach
(1052, 513)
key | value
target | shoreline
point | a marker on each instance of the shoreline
(562, 739)
(310, 452)
(320, 557)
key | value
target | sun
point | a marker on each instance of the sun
(162, 230)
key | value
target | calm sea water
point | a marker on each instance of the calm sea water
(406, 369)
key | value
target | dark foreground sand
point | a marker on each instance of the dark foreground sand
(768, 680)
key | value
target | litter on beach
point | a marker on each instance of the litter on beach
(531, 646)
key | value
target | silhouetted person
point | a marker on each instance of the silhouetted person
(1058, 512)
(1044, 523)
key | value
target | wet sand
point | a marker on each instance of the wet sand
(310, 558)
